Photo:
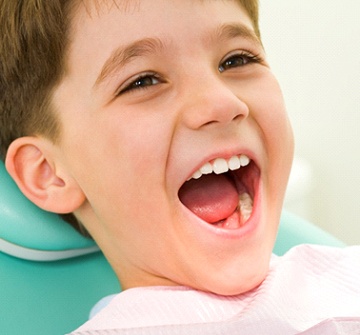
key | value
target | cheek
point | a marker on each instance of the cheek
(273, 122)
(271, 116)
(123, 167)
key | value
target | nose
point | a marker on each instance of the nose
(213, 103)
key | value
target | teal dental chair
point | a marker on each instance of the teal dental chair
(51, 277)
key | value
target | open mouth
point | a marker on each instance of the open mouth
(222, 192)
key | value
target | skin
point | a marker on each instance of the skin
(124, 154)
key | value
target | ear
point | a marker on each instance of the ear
(31, 162)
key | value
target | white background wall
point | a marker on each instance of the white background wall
(314, 49)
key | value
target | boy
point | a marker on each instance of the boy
(157, 127)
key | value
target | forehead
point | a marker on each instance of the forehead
(97, 8)
(144, 14)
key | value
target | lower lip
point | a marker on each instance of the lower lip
(247, 229)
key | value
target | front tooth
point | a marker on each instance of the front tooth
(244, 160)
(197, 175)
(206, 169)
(234, 163)
(220, 165)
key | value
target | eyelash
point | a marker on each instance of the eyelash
(245, 56)
(136, 83)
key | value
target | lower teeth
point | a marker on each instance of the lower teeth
(246, 206)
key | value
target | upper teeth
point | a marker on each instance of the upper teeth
(221, 165)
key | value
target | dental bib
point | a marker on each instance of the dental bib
(311, 290)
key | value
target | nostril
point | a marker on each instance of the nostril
(235, 118)
(210, 123)
(238, 117)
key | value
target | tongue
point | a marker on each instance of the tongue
(212, 197)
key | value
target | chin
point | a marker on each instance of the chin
(239, 286)
(234, 282)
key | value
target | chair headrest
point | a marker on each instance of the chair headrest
(28, 232)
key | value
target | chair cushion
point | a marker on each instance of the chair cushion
(294, 230)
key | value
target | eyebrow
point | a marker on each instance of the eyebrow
(147, 46)
(123, 55)
(230, 31)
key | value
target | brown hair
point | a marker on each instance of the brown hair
(33, 41)
(252, 8)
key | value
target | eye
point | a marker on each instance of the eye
(140, 82)
(238, 60)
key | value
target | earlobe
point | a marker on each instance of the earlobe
(35, 171)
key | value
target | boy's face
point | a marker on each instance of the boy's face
(154, 90)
